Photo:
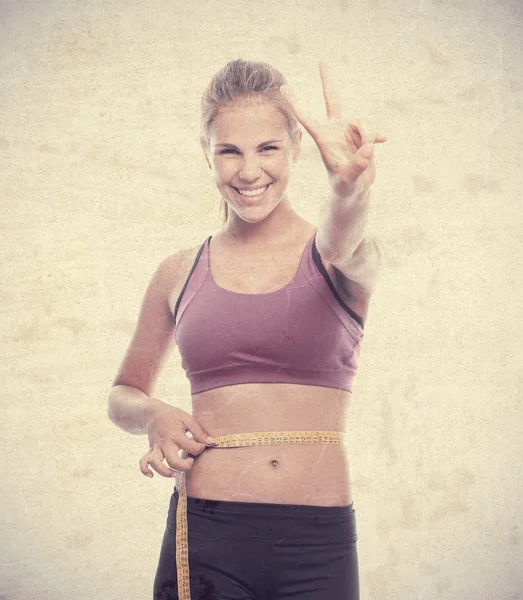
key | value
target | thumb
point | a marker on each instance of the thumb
(311, 124)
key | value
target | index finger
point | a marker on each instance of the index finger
(311, 125)
(154, 459)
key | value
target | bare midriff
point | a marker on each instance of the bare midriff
(309, 474)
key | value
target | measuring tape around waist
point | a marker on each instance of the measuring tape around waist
(263, 438)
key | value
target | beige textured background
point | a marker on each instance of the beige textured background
(102, 176)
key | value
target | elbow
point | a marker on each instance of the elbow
(327, 252)
(112, 405)
(112, 413)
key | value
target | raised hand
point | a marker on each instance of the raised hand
(346, 147)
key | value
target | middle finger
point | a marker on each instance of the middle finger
(156, 459)
(366, 130)
(178, 459)
(331, 91)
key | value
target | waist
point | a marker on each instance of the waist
(301, 468)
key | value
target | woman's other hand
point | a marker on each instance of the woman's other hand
(167, 436)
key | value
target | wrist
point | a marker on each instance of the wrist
(152, 408)
(354, 193)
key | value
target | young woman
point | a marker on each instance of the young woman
(268, 316)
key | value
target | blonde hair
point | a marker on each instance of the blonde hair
(243, 79)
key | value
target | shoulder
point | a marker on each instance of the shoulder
(354, 297)
(173, 271)
(176, 264)
(356, 277)
(352, 294)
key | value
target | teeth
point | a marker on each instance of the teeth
(251, 193)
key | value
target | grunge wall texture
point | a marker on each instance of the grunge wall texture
(102, 176)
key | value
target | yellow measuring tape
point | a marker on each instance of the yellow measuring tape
(263, 438)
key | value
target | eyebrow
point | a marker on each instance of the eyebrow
(259, 145)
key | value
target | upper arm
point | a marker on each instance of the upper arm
(153, 336)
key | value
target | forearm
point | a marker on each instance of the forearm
(131, 409)
(342, 227)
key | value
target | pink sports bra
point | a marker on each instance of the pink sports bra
(302, 333)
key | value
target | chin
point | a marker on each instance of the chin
(252, 215)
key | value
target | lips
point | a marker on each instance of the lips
(253, 199)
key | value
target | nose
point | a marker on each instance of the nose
(250, 169)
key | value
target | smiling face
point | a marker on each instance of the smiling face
(251, 151)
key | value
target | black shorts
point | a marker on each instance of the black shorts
(259, 551)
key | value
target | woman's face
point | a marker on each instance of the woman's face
(251, 151)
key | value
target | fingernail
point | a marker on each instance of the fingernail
(211, 440)
(174, 474)
(149, 475)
